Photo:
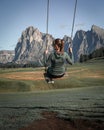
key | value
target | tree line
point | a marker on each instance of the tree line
(16, 65)
(95, 54)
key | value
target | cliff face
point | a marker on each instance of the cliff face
(31, 46)
(87, 42)
(6, 56)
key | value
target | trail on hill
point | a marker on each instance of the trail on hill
(36, 75)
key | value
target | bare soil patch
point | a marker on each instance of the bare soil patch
(39, 75)
(25, 75)
(53, 122)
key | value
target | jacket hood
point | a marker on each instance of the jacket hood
(58, 55)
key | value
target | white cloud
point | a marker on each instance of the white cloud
(79, 26)
(63, 26)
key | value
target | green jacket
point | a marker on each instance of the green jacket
(56, 63)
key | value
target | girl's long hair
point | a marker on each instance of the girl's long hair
(60, 44)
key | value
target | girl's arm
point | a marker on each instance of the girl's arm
(71, 54)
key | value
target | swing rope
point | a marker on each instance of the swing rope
(73, 23)
(47, 21)
(47, 17)
(74, 19)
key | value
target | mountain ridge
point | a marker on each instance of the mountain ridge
(33, 43)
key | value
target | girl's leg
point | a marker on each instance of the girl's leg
(49, 77)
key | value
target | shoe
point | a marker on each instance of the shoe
(51, 82)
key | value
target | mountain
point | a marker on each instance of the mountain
(33, 43)
(31, 46)
(6, 56)
(85, 42)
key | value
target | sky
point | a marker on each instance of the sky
(17, 15)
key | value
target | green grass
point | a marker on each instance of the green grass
(79, 75)
(7, 70)
(13, 85)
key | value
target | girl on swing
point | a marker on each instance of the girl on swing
(56, 61)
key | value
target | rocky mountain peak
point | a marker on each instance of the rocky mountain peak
(97, 30)
(80, 34)
(31, 34)
(6, 56)
(31, 46)
(85, 42)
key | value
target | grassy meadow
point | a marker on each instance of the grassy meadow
(86, 74)
(23, 95)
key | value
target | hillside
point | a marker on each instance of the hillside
(32, 79)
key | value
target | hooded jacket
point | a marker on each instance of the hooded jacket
(56, 63)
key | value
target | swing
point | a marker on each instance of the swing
(47, 21)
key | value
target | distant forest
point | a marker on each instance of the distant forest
(16, 65)
(95, 54)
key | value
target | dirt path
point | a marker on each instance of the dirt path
(52, 122)
(36, 75)
(25, 75)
